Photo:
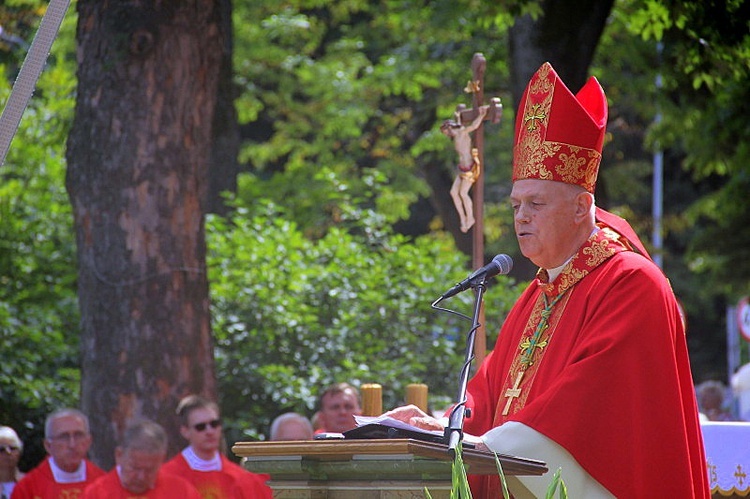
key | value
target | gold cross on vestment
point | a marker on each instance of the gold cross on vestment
(740, 475)
(535, 114)
(512, 393)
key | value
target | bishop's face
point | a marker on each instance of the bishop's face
(546, 220)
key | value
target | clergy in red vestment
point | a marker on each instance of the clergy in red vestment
(590, 372)
(66, 471)
(138, 473)
(201, 463)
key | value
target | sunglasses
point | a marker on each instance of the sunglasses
(214, 423)
(8, 449)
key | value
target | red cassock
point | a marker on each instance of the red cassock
(607, 376)
(40, 483)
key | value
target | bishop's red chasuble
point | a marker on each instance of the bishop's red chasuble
(597, 361)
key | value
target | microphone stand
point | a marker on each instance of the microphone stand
(454, 430)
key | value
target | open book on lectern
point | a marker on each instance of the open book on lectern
(379, 427)
(369, 427)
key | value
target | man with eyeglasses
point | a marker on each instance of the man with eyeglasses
(138, 473)
(65, 472)
(202, 464)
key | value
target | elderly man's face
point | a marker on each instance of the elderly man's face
(68, 442)
(545, 220)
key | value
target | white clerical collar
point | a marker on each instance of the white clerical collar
(62, 476)
(553, 273)
(198, 464)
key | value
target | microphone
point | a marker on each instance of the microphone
(501, 264)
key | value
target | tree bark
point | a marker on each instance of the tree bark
(566, 35)
(138, 155)
(224, 167)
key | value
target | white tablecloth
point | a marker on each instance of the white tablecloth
(728, 456)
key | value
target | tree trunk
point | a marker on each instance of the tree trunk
(138, 155)
(566, 35)
(226, 132)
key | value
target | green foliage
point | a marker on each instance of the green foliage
(701, 131)
(293, 314)
(349, 88)
(38, 307)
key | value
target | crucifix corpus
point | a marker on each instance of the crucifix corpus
(465, 129)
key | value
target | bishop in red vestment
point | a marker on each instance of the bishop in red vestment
(590, 372)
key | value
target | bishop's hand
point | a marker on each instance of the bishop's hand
(413, 415)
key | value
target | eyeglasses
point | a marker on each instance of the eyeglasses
(8, 449)
(75, 437)
(214, 423)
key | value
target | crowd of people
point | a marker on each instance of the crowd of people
(200, 470)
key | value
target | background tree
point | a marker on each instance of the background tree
(137, 172)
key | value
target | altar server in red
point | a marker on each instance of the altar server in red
(202, 463)
(139, 473)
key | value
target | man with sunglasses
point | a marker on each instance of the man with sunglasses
(202, 464)
(66, 472)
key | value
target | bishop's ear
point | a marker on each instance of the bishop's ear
(584, 203)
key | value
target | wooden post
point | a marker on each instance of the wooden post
(416, 393)
(372, 399)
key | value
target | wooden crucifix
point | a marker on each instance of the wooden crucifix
(466, 130)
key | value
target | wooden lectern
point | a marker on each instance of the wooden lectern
(368, 469)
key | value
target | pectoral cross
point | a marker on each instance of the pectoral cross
(512, 393)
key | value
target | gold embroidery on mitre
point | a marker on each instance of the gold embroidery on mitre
(534, 115)
(543, 83)
(536, 157)
(549, 160)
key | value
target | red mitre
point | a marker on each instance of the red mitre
(559, 135)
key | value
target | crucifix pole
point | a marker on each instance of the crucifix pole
(475, 86)
(478, 66)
